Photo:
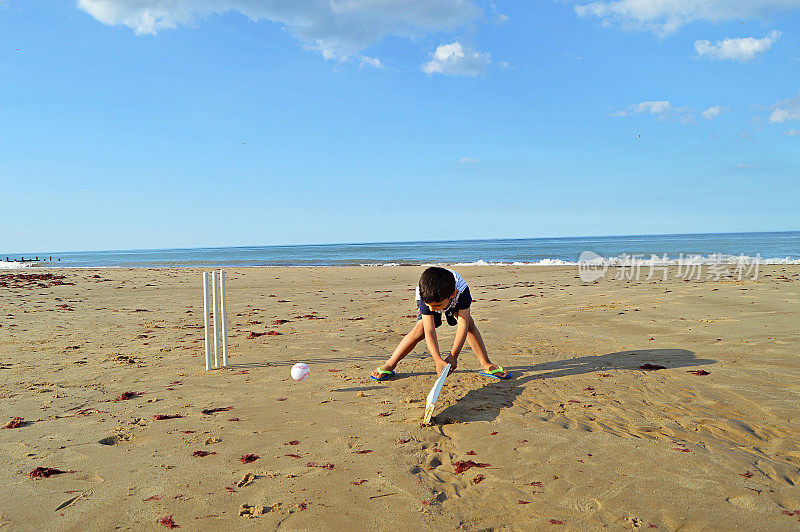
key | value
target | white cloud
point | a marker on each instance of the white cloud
(654, 108)
(370, 62)
(468, 160)
(338, 29)
(665, 16)
(713, 112)
(792, 133)
(457, 60)
(786, 110)
(744, 49)
(744, 165)
(661, 108)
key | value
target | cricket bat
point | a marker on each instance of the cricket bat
(433, 395)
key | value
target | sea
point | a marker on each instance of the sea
(765, 247)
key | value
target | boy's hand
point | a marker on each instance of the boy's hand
(453, 361)
(440, 364)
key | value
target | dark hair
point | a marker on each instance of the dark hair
(436, 284)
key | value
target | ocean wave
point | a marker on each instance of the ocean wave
(631, 261)
(14, 265)
(383, 264)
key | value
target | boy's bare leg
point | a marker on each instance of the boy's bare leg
(406, 345)
(479, 348)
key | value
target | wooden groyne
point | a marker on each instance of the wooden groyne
(35, 259)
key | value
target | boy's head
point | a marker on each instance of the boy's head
(436, 285)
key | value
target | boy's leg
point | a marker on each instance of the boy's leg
(479, 348)
(406, 345)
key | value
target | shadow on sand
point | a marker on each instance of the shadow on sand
(484, 404)
(369, 362)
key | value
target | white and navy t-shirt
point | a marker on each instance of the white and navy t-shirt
(462, 300)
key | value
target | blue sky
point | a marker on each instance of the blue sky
(148, 124)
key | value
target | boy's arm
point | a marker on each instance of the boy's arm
(429, 327)
(461, 333)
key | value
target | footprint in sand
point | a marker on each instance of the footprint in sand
(114, 439)
(582, 504)
(432, 462)
(248, 510)
(635, 522)
(246, 480)
(747, 503)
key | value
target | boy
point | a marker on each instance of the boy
(442, 290)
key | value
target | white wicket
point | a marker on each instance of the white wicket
(219, 316)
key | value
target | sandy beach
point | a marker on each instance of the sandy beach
(105, 367)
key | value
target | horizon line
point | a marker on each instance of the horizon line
(9, 254)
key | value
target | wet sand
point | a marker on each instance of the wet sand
(581, 437)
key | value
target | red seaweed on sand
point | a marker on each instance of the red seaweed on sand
(463, 465)
(323, 466)
(166, 416)
(45, 472)
(128, 395)
(651, 367)
(209, 411)
(698, 372)
(168, 522)
(15, 422)
(202, 453)
(248, 458)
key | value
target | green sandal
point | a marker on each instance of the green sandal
(491, 373)
(385, 375)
